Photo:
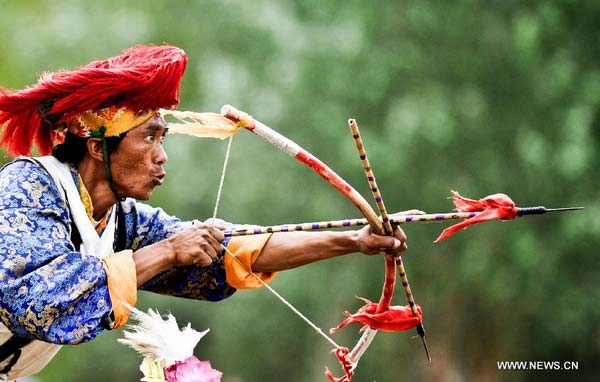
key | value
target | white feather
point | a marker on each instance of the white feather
(161, 339)
(203, 125)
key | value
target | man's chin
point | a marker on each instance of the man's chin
(142, 195)
(146, 196)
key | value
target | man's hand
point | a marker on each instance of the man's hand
(372, 244)
(198, 244)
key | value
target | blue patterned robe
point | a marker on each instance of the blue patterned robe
(48, 290)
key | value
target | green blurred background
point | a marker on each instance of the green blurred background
(476, 96)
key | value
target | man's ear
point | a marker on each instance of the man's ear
(94, 148)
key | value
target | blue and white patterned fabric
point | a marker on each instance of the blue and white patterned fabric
(48, 290)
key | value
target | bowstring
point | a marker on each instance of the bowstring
(282, 299)
(222, 180)
(245, 267)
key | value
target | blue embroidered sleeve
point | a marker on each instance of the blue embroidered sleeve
(48, 291)
(146, 225)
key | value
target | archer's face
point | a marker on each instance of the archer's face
(137, 163)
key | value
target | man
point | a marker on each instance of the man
(75, 246)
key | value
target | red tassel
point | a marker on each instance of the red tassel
(492, 207)
(396, 318)
(141, 78)
(342, 355)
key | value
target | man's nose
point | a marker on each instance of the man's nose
(162, 156)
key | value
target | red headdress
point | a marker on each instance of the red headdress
(143, 78)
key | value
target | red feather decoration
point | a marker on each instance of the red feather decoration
(394, 319)
(141, 78)
(492, 207)
(342, 355)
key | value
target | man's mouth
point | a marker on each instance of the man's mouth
(159, 178)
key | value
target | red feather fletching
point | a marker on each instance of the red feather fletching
(492, 207)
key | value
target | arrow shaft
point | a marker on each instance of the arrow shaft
(313, 226)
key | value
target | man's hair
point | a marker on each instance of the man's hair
(74, 148)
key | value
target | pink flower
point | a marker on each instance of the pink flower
(192, 370)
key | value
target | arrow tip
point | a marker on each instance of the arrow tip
(421, 331)
(426, 349)
(542, 210)
(564, 209)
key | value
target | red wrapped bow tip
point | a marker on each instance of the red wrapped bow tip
(492, 207)
(396, 318)
(342, 355)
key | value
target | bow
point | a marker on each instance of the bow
(293, 149)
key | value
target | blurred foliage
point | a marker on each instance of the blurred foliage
(477, 96)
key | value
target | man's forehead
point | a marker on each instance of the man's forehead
(155, 123)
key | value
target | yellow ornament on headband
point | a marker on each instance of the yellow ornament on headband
(115, 120)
